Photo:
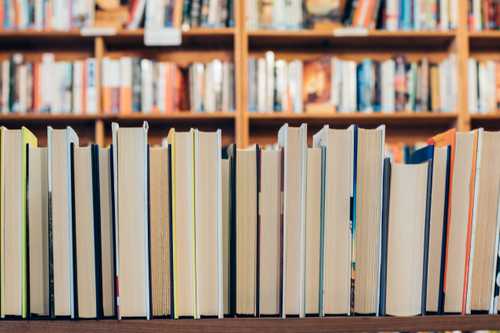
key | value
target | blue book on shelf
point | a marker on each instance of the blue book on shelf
(405, 15)
(365, 86)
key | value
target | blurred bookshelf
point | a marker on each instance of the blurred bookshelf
(237, 44)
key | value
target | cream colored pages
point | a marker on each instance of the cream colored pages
(62, 211)
(85, 247)
(293, 141)
(183, 229)
(107, 250)
(38, 231)
(484, 251)
(337, 232)
(160, 230)
(405, 244)
(226, 215)
(11, 239)
(313, 230)
(270, 220)
(457, 225)
(246, 230)
(436, 226)
(132, 223)
(207, 222)
(368, 217)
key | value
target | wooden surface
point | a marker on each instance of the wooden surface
(238, 44)
(247, 325)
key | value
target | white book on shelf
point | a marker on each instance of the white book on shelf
(453, 5)
(387, 85)
(77, 87)
(483, 88)
(417, 14)
(295, 85)
(46, 76)
(476, 15)
(392, 15)
(252, 15)
(280, 19)
(92, 97)
(270, 84)
(492, 84)
(214, 12)
(38, 15)
(261, 85)
(294, 14)
(146, 86)
(161, 86)
(444, 14)
(472, 89)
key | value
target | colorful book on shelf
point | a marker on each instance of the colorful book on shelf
(317, 85)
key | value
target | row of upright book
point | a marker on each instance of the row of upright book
(327, 84)
(131, 14)
(484, 15)
(392, 15)
(129, 84)
(142, 85)
(192, 229)
(484, 86)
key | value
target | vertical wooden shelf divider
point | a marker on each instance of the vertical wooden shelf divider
(99, 50)
(241, 73)
(460, 46)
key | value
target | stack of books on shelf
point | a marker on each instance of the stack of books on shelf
(390, 15)
(484, 86)
(64, 15)
(132, 84)
(329, 84)
(48, 85)
(484, 15)
(190, 229)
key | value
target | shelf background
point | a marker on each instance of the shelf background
(238, 44)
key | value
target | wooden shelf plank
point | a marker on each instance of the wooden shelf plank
(176, 116)
(247, 325)
(408, 118)
(379, 38)
(488, 40)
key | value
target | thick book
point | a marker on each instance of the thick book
(338, 186)
(406, 225)
(246, 224)
(270, 215)
(208, 223)
(38, 227)
(108, 264)
(460, 215)
(14, 220)
(485, 226)
(226, 193)
(293, 141)
(313, 221)
(87, 232)
(130, 181)
(62, 288)
(367, 210)
(183, 223)
(160, 217)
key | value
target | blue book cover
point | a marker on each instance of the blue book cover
(405, 14)
(365, 86)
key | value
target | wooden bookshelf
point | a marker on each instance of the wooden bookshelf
(237, 44)
(263, 325)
